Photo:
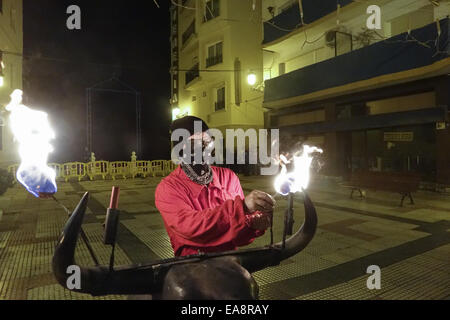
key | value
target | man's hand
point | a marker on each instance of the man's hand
(259, 201)
(260, 221)
(44, 195)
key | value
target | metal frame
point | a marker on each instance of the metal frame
(349, 35)
(127, 90)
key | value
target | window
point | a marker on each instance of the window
(189, 31)
(212, 10)
(220, 99)
(214, 54)
(281, 68)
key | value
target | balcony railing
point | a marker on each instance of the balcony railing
(189, 31)
(211, 61)
(192, 74)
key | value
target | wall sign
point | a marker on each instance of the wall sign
(399, 136)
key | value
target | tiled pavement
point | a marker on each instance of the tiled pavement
(411, 245)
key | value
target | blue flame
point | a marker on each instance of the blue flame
(287, 186)
(37, 180)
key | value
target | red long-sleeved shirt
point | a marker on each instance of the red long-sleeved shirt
(200, 218)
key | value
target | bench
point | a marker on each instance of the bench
(403, 183)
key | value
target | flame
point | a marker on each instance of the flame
(32, 131)
(298, 179)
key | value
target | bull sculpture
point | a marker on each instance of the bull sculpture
(224, 276)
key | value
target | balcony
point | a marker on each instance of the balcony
(188, 33)
(290, 18)
(382, 58)
(211, 61)
(192, 74)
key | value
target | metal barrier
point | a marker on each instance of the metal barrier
(12, 169)
(119, 168)
(73, 170)
(157, 167)
(102, 168)
(97, 168)
(142, 168)
(57, 168)
(169, 166)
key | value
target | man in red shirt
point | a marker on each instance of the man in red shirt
(204, 208)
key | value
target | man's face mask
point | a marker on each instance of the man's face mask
(198, 150)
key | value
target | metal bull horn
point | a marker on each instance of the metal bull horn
(224, 275)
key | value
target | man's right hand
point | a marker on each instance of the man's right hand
(259, 201)
(260, 221)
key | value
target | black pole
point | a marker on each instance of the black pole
(290, 214)
(288, 218)
(271, 230)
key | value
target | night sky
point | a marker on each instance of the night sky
(125, 39)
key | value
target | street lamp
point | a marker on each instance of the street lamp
(251, 78)
(175, 113)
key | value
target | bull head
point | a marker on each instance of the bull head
(225, 275)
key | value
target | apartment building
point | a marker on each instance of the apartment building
(373, 99)
(216, 46)
(11, 50)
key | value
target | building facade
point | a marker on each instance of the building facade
(11, 50)
(374, 99)
(216, 44)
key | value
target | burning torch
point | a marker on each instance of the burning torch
(297, 180)
(32, 131)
